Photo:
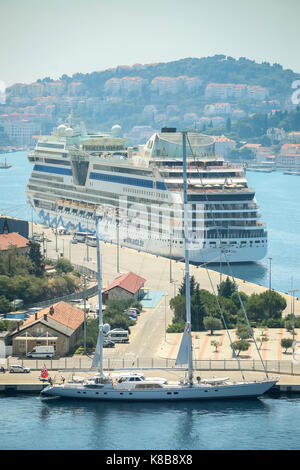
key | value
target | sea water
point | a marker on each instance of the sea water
(30, 422)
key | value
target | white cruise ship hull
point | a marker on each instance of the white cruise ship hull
(243, 250)
(171, 393)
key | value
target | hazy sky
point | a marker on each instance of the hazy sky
(40, 38)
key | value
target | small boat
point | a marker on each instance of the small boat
(5, 164)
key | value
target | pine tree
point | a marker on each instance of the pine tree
(36, 258)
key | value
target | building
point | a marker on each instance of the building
(59, 326)
(275, 134)
(7, 240)
(235, 90)
(290, 161)
(223, 145)
(127, 286)
(21, 131)
(217, 109)
(8, 225)
(294, 137)
(173, 85)
(125, 85)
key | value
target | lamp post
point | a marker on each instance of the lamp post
(118, 239)
(171, 280)
(292, 291)
(84, 330)
(270, 284)
(270, 273)
(166, 295)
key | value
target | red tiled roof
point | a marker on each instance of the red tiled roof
(64, 313)
(129, 281)
(10, 239)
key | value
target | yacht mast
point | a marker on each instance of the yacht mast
(100, 301)
(187, 262)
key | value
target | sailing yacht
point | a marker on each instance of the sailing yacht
(5, 164)
(137, 388)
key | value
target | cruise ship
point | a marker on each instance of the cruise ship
(136, 194)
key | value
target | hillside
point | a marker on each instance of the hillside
(191, 92)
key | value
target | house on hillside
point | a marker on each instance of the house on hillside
(8, 240)
(127, 286)
(59, 326)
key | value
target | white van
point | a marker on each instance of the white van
(118, 336)
(41, 351)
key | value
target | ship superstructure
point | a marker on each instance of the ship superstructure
(139, 194)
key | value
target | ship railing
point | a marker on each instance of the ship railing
(79, 363)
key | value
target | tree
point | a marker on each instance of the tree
(63, 265)
(36, 258)
(226, 288)
(177, 304)
(215, 344)
(242, 331)
(228, 125)
(262, 338)
(268, 305)
(286, 343)
(212, 324)
(5, 305)
(240, 345)
(198, 310)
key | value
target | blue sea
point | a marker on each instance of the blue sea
(28, 422)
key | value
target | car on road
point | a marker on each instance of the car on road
(16, 368)
(108, 344)
(132, 310)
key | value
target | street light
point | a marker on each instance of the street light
(292, 291)
(84, 306)
(270, 273)
(270, 284)
(166, 295)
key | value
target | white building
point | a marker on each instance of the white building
(124, 86)
(223, 145)
(233, 90)
(217, 109)
(21, 131)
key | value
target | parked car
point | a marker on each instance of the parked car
(132, 310)
(108, 344)
(15, 368)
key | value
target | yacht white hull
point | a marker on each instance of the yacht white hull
(171, 393)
